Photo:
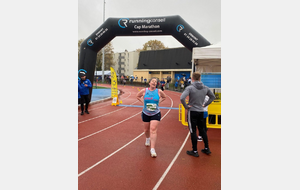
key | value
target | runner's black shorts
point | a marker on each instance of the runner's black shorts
(147, 118)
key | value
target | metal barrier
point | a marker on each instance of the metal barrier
(213, 119)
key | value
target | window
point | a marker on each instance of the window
(153, 72)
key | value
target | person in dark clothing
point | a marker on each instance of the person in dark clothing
(205, 114)
(162, 84)
(176, 85)
(84, 92)
(168, 81)
(157, 85)
(196, 108)
(185, 83)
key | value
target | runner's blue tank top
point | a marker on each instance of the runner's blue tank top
(151, 100)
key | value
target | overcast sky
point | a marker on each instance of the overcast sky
(203, 15)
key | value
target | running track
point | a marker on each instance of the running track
(112, 154)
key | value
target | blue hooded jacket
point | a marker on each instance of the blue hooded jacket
(84, 90)
(79, 88)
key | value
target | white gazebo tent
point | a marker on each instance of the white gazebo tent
(99, 73)
(207, 59)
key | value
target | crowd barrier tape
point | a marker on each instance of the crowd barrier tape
(213, 119)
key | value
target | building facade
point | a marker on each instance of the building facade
(125, 62)
(174, 62)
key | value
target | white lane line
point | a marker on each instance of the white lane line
(108, 127)
(110, 155)
(100, 116)
(171, 164)
(105, 114)
(102, 106)
(122, 146)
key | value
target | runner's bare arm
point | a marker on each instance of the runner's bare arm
(162, 96)
(139, 96)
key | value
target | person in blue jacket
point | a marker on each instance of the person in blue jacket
(84, 92)
(79, 97)
(176, 85)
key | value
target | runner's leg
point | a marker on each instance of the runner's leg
(153, 132)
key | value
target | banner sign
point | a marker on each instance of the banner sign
(114, 82)
(146, 26)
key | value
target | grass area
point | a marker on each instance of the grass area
(100, 87)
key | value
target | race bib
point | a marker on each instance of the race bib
(151, 107)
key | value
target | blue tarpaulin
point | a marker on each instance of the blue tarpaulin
(212, 80)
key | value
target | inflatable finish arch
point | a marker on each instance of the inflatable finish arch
(147, 26)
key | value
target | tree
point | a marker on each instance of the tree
(108, 56)
(108, 59)
(79, 44)
(154, 44)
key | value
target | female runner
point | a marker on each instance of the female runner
(151, 97)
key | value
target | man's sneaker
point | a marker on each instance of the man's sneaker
(199, 138)
(82, 113)
(153, 153)
(147, 143)
(87, 112)
(206, 151)
(192, 153)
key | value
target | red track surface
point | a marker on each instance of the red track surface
(112, 154)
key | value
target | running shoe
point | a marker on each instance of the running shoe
(192, 153)
(206, 151)
(199, 138)
(87, 112)
(153, 153)
(147, 143)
